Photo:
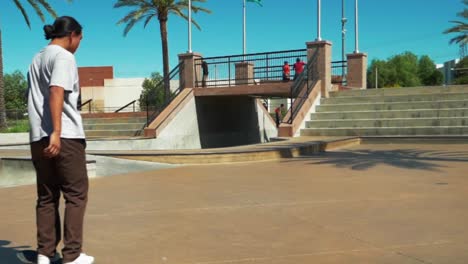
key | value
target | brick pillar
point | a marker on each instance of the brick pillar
(357, 70)
(244, 73)
(189, 75)
(323, 64)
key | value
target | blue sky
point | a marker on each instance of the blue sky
(386, 27)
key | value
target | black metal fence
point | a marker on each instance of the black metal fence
(267, 67)
(339, 72)
(152, 109)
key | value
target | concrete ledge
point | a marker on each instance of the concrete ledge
(16, 171)
(262, 152)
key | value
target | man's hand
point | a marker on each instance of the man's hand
(56, 108)
(54, 146)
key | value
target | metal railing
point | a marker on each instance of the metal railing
(153, 110)
(88, 102)
(302, 87)
(267, 67)
(132, 103)
(339, 71)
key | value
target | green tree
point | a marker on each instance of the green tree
(15, 91)
(38, 6)
(146, 10)
(460, 27)
(404, 70)
(461, 72)
(428, 73)
(153, 92)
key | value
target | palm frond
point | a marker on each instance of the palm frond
(130, 3)
(37, 9)
(459, 27)
(148, 19)
(135, 14)
(48, 8)
(184, 16)
(23, 12)
(461, 39)
(130, 25)
(463, 14)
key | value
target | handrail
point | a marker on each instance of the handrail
(339, 77)
(125, 106)
(267, 66)
(151, 115)
(254, 54)
(88, 102)
(306, 80)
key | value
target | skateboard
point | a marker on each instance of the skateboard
(30, 257)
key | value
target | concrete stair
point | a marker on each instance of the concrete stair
(418, 111)
(104, 127)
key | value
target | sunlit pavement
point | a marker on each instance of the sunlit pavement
(367, 204)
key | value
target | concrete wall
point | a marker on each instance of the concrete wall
(266, 124)
(181, 133)
(119, 92)
(227, 121)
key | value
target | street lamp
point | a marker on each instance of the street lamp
(190, 26)
(356, 28)
(319, 20)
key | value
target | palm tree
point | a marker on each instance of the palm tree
(460, 27)
(37, 5)
(145, 10)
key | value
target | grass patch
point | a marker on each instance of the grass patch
(18, 126)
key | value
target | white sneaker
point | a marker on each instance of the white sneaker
(31, 257)
(41, 259)
(82, 259)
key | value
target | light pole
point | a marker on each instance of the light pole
(244, 33)
(190, 26)
(319, 20)
(356, 27)
(343, 36)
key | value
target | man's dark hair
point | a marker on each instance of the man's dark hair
(63, 26)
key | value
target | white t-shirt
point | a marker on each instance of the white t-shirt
(53, 66)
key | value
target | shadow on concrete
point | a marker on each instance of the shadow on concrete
(8, 254)
(363, 159)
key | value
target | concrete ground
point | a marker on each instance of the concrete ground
(380, 203)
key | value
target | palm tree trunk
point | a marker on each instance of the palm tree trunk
(165, 50)
(2, 99)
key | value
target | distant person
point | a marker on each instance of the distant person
(265, 105)
(205, 73)
(286, 72)
(279, 114)
(298, 68)
(58, 145)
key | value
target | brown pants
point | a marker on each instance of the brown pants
(65, 173)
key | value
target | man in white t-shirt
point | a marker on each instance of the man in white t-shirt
(58, 144)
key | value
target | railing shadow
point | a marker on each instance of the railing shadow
(8, 254)
(364, 159)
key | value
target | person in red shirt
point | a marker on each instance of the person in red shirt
(279, 114)
(298, 68)
(286, 72)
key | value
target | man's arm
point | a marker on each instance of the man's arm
(56, 109)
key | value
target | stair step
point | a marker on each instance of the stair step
(386, 131)
(393, 106)
(113, 133)
(403, 91)
(418, 113)
(116, 126)
(114, 120)
(395, 98)
(392, 122)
